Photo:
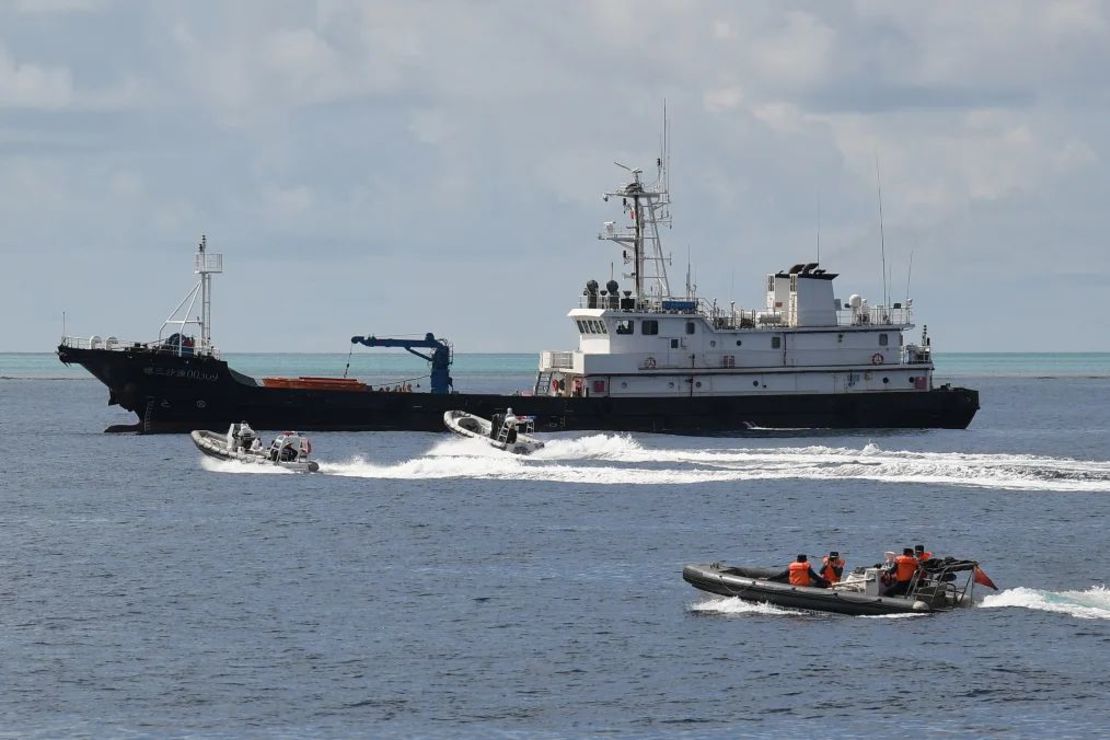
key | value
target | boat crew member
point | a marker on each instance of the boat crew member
(799, 573)
(510, 422)
(832, 567)
(905, 566)
(921, 553)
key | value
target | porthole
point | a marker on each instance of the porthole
(624, 384)
(913, 380)
(697, 384)
(755, 383)
(738, 342)
(201, 404)
(712, 342)
(886, 380)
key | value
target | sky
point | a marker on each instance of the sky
(395, 168)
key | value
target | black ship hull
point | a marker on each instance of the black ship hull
(171, 393)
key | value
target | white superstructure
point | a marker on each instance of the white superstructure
(644, 341)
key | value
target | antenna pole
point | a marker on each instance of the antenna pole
(882, 236)
(909, 274)
(818, 227)
(205, 297)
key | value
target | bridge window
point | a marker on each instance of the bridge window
(689, 327)
(601, 328)
(582, 327)
(628, 326)
(883, 339)
(776, 342)
(649, 326)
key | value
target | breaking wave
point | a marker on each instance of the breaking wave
(213, 465)
(1094, 603)
(622, 459)
(733, 606)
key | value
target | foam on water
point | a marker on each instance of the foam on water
(1094, 603)
(502, 466)
(611, 459)
(630, 462)
(595, 446)
(213, 465)
(733, 605)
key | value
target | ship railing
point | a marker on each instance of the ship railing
(113, 344)
(914, 354)
(557, 360)
(895, 316)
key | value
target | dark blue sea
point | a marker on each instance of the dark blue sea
(423, 585)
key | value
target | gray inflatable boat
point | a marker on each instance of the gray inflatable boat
(940, 585)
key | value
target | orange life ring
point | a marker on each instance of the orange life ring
(877, 359)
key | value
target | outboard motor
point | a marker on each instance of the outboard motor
(591, 294)
(614, 294)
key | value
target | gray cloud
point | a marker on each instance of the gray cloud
(377, 160)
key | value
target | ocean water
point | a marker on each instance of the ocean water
(423, 585)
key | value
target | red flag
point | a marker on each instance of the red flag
(983, 579)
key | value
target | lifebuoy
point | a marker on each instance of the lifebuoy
(649, 363)
(877, 359)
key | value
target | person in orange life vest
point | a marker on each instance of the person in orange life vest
(799, 573)
(832, 567)
(921, 554)
(905, 566)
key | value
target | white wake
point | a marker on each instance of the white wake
(610, 459)
(1094, 603)
(732, 605)
(213, 465)
(735, 606)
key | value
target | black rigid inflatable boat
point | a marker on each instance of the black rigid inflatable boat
(941, 585)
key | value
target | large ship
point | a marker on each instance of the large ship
(647, 359)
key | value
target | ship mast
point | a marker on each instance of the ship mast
(206, 264)
(648, 205)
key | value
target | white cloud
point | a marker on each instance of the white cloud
(722, 99)
(418, 133)
(25, 85)
(58, 6)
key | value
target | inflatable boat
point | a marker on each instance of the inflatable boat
(941, 584)
(289, 450)
(506, 431)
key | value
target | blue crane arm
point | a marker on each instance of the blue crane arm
(440, 356)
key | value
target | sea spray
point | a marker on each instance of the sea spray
(1093, 603)
(622, 459)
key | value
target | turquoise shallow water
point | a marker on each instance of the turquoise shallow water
(383, 367)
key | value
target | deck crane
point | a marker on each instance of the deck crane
(440, 357)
